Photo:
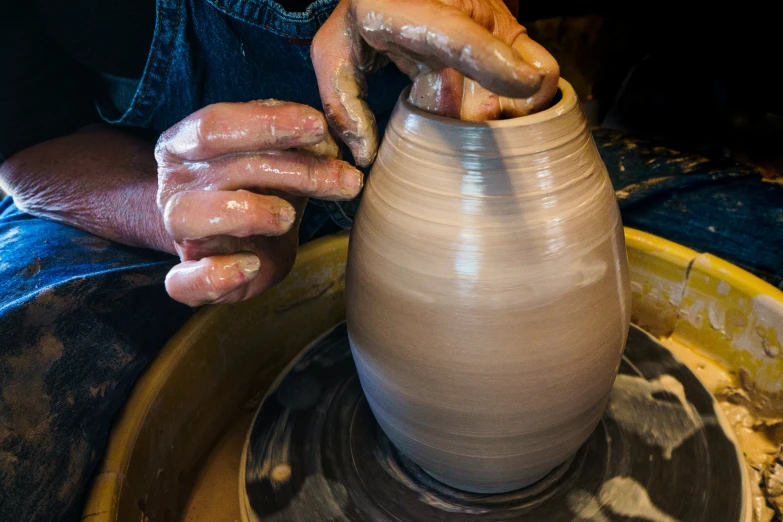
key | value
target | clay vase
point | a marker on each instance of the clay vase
(487, 292)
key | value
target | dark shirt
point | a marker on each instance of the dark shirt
(58, 57)
(53, 52)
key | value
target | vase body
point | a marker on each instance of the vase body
(487, 292)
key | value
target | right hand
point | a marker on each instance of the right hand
(467, 59)
(233, 181)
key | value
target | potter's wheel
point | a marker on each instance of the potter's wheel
(662, 453)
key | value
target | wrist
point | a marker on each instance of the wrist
(100, 180)
(149, 220)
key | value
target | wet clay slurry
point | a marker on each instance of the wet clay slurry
(654, 467)
(487, 292)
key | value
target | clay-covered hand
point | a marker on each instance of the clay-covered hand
(233, 181)
(468, 59)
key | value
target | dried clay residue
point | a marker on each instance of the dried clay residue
(622, 496)
(635, 405)
(760, 437)
(319, 500)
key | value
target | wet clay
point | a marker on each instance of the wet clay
(315, 453)
(622, 495)
(760, 437)
(487, 292)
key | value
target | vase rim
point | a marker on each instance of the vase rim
(567, 100)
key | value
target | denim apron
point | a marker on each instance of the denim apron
(81, 317)
(212, 51)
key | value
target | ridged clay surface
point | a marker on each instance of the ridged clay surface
(487, 292)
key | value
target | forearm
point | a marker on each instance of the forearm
(100, 180)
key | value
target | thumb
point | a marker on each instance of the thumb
(343, 86)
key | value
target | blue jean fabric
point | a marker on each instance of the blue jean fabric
(711, 205)
(212, 51)
(80, 317)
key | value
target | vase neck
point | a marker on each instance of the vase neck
(545, 152)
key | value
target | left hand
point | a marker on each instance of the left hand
(233, 181)
(468, 59)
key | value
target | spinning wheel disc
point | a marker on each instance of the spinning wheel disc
(662, 453)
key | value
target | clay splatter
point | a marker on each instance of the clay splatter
(715, 316)
(9, 237)
(628, 498)
(659, 422)
(319, 500)
(585, 506)
(80, 453)
(622, 495)
(25, 403)
(278, 453)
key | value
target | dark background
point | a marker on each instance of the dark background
(706, 84)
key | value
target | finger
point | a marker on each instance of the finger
(536, 54)
(342, 85)
(327, 147)
(196, 249)
(293, 173)
(408, 65)
(448, 37)
(211, 279)
(230, 128)
(439, 93)
(478, 103)
(202, 214)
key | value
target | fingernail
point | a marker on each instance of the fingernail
(286, 215)
(351, 180)
(248, 263)
(314, 125)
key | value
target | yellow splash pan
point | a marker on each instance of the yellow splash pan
(175, 449)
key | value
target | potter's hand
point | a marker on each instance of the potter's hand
(460, 54)
(232, 183)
